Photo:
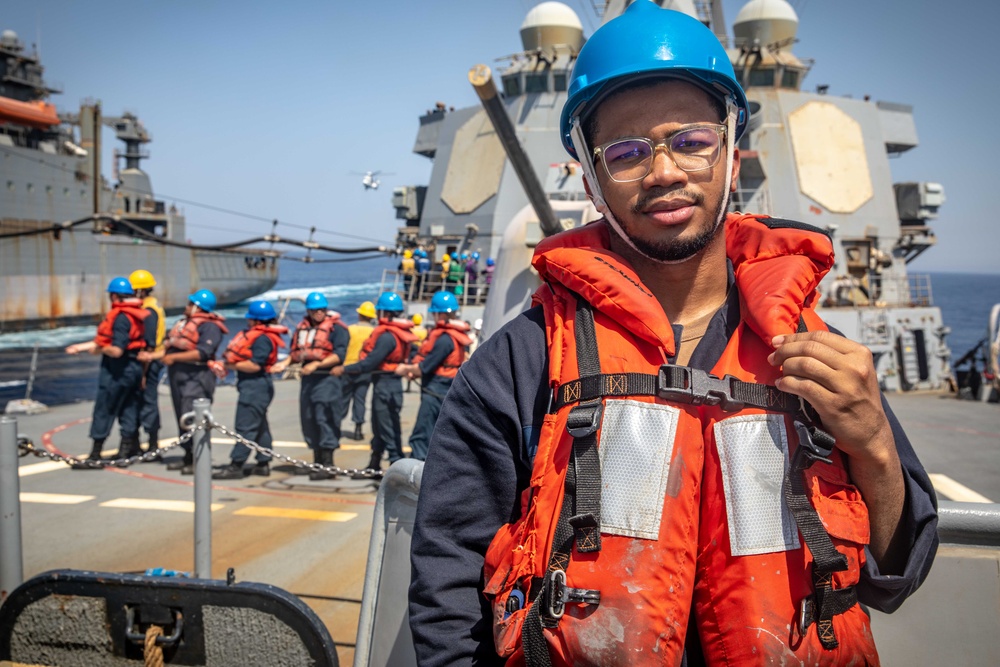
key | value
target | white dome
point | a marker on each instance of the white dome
(766, 22)
(549, 14)
(551, 24)
(684, 6)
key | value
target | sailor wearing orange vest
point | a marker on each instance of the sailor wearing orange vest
(319, 343)
(143, 282)
(618, 503)
(120, 338)
(190, 345)
(387, 347)
(437, 363)
(252, 353)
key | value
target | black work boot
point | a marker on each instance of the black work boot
(261, 469)
(232, 471)
(127, 448)
(95, 451)
(154, 443)
(375, 462)
(180, 464)
(358, 435)
(324, 457)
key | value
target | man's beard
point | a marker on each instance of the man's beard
(678, 250)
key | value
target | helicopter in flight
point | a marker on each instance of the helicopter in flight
(369, 179)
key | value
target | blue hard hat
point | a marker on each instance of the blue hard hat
(316, 301)
(490, 261)
(647, 41)
(389, 301)
(261, 311)
(443, 302)
(120, 285)
(475, 255)
(204, 299)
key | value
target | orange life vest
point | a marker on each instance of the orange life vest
(458, 331)
(401, 331)
(240, 347)
(314, 342)
(675, 506)
(136, 331)
(184, 334)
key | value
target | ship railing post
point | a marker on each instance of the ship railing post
(11, 556)
(202, 491)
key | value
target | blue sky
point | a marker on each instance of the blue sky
(268, 107)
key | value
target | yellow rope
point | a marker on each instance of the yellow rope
(152, 653)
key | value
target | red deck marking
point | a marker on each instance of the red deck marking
(51, 447)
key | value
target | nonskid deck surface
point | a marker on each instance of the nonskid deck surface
(311, 538)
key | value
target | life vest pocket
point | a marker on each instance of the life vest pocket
(839, 505)
(507, 573)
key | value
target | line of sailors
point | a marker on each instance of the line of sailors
(337, 364)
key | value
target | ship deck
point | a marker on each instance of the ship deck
(311, 538)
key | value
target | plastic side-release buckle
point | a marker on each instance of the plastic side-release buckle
(585, 419)
(810, 449)
(697, 387)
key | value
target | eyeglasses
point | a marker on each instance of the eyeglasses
(692, 148)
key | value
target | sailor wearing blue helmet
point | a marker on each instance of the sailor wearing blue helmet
(252, 353)
(120, 337)
(549, 568)
(386, 348)
(319, 343)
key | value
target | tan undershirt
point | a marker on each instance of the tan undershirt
(691, 334)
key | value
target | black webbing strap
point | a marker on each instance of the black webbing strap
(681, 384)
(816, 445)
(580, 514)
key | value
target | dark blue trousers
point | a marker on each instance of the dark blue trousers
(117, 398)
(255, 396)
(387, 401)
(432, 395)
(149, 409)
(320, 412)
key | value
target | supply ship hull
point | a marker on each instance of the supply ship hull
(65, 230)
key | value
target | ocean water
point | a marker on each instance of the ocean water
(965, 301)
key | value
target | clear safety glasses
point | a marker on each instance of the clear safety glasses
(692, 148)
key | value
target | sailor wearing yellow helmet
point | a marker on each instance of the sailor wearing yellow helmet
(355, 387)
(143, 282)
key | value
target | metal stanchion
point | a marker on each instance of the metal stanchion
(11, 559)
(202, 444)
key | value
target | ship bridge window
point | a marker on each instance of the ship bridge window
(761, 77)
(790, 79)
(126, 205)
(559, 82)
(512, 85)
(536, 83)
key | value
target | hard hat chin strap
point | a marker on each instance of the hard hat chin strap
(597, 196)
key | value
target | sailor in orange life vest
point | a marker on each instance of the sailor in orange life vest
(386, 348)
(143, 282)
(615, 503)
(191, 344)
(119, 339)
(436, 363)
(319, 343)
(252, 353)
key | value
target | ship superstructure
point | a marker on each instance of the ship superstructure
(807, 156)
(65, 230)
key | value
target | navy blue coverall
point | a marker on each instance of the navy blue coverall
(149, 407)
(191, 380)
(433, 388)
(118, 388)
(322, 404)
(387, 400)
(256, 390)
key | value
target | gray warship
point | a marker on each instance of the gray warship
(65, 230)
(501, 180)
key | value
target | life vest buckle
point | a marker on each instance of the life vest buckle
(697, 387)
(585, 419)
(555, 594)
(810, 449)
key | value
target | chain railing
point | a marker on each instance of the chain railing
(353, 473)
(25, 447)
